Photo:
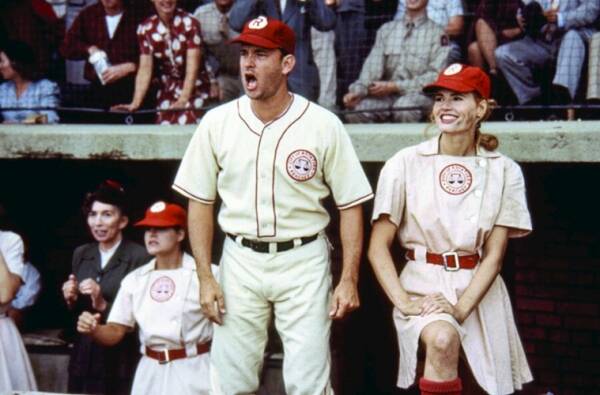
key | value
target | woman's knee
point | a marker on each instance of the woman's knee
(442, 339)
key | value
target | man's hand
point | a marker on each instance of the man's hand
(116, 72)
(351, 100)
(92, 288)
(70, 290)
(344, 300)
(92, 49)
(382, 88)
(87, 322)
(211, 300)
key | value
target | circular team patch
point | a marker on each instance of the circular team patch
(258, 23)
(301, 165)
(455, 179)
(454, 68)
(162, 289)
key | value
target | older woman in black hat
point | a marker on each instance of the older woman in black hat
(22, 89)
(97, 271)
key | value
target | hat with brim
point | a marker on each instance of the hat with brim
(163, 215)
(463, 79)
(267, 33)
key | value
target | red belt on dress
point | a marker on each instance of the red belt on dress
(166, 356)
(450, 260)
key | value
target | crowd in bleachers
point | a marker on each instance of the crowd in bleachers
(167, 61)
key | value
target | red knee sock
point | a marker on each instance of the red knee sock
(452, 387)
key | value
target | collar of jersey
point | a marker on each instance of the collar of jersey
(431, 147)
(187, 262)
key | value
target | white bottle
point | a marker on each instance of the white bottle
(100, 61)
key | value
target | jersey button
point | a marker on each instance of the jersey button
(482, 163)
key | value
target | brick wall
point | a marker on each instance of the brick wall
(556, 281)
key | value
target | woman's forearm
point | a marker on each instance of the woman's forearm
(191, 73)
(109, 334)
(488, 269)
(142, 80)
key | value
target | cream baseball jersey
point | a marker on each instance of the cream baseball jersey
(272, 177)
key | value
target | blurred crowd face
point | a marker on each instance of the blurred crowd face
(6, 69)
(106, 222)
(112, 6)
(415, 5)
(455, 112)
(224, 4)
(165, 7)
(163, 241)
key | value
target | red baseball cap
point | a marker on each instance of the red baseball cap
(164, 215)
(462, 78)
(269, 33)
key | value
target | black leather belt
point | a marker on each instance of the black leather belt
(263, 246)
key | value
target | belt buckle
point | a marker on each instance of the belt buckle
(167, 355)
(454, 254)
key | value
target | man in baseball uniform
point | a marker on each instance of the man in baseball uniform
(272, 157)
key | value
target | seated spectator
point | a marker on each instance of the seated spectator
(172, 39)
(300, 16)
(175, 358)
(222, 58)
(593, 90)
(567, 28)
(15, 370)
(109, 28)
(449, 14)
(22, 89)
(27, 295)
(407, 55)
(495, 23)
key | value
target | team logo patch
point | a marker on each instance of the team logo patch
(454, 68)
(301, 165)
(158, 207)
(258, 23)
(455, 179)
(162, 289)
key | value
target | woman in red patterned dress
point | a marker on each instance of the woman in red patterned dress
(172, 39)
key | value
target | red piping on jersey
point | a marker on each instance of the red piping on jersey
(275, 157)
(186, 192)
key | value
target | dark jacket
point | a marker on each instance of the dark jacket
(94, 368)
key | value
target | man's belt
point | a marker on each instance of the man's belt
(273, 246)
(166, 356)
(450, 260)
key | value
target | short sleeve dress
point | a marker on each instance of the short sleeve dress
(168, 46)
(444, 203)
(15, 370)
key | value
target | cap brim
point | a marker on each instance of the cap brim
(155, 223)
(254, 40)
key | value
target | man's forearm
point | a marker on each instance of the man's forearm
(351, 236)
(201, 231)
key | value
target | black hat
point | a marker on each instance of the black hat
(109, 192)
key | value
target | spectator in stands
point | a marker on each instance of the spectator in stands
(408, 53)
(222, 58)
(22, 89)
(34, 23)
(495, 23)
(15, 370)
(172, 39)
(107, 27)
(323, 46)
(593, 90)
(97, 271)
(450, 15)
(351, 43)
(300, 16)
(567, 29)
